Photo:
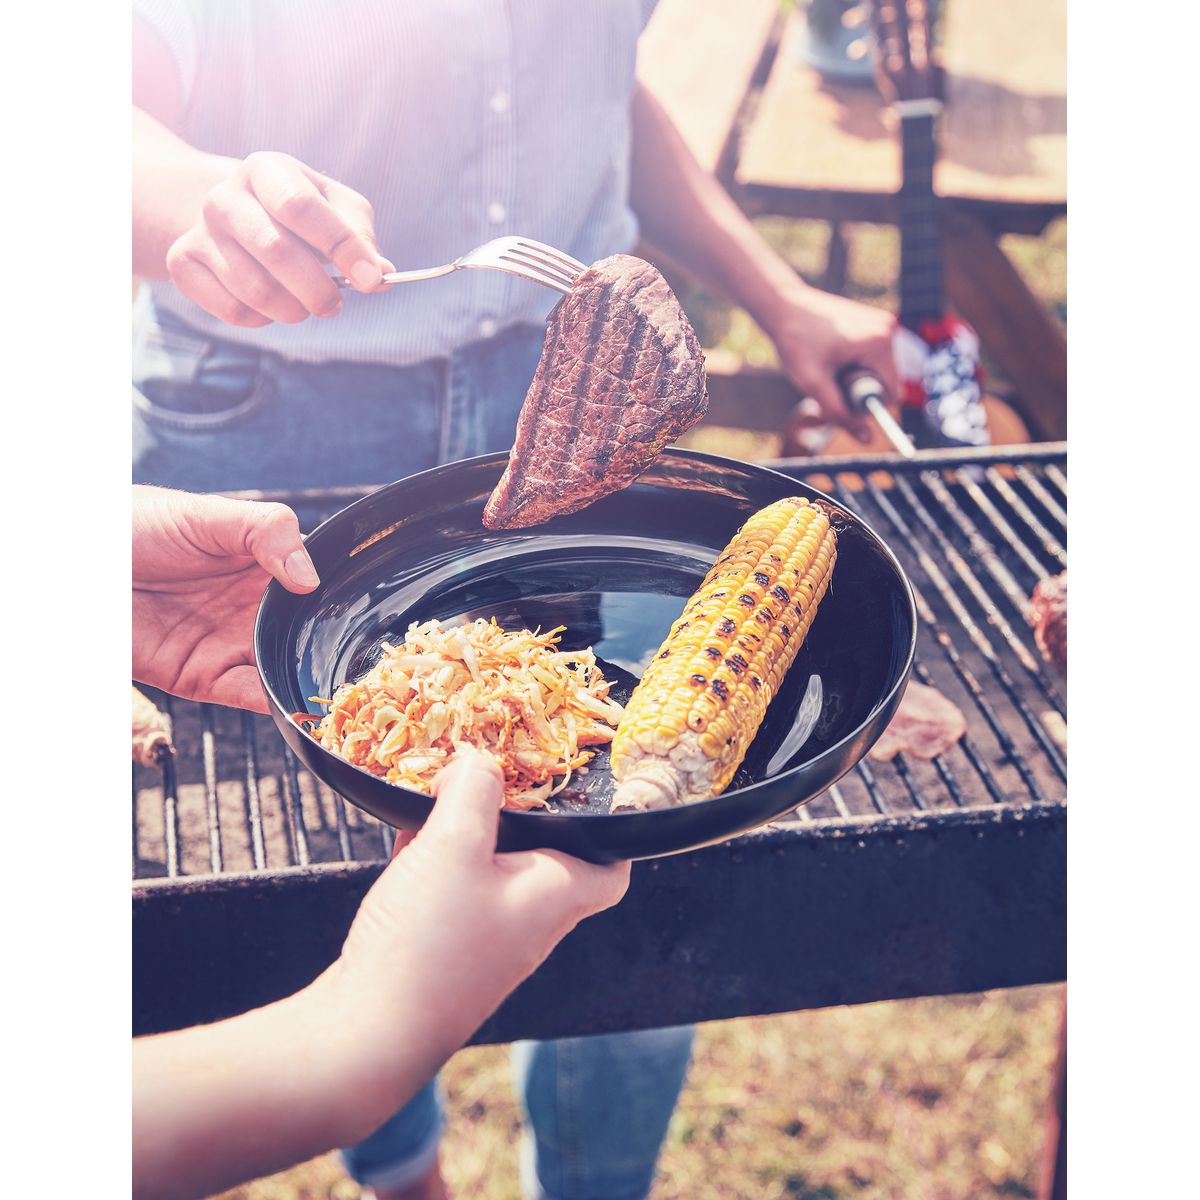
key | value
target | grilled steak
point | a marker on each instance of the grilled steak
(621, 375)
(1048, 616)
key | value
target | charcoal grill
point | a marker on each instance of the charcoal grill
(906, 878)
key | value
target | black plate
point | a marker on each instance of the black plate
(616, 575)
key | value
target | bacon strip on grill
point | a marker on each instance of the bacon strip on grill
(925, 725)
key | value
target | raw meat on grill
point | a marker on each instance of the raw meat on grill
(621, 376)
(925, 725)
(1048, 616)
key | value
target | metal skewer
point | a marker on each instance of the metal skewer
(864, 393)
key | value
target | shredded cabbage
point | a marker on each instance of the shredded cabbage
(513, 694)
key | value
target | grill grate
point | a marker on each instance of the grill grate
(975, 531)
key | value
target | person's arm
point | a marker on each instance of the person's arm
(170, 178)
(246, 239)
(685, 212)
(448, 930)
(170, 181)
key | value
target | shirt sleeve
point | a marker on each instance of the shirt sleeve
(648, 7)
(175, 23)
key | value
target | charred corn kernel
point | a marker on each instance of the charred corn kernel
(692, 718)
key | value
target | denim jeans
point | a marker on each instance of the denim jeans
(211, 415)
(596, 1108)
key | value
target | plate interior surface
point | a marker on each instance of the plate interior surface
(615, 576)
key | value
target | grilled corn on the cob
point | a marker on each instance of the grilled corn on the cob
(692, 718)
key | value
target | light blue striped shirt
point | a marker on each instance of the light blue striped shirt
(460, 120)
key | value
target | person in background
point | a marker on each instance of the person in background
(276, 140)
(447, 931)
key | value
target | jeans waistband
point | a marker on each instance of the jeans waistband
(207, 344)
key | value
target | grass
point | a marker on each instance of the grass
(932, 1099)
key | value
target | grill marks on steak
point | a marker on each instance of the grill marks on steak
(621, 375)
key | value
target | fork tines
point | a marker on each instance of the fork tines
(543, 263)
(573, 264)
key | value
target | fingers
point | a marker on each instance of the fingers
(828, 395)
(238, 687)
(196, 280)
(332, 218)
(259, 252)
(466, 815)
(549, 881)
(252, 284)
(268, 265)
(402, 839)
(594, 887)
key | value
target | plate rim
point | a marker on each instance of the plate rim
(519, 816)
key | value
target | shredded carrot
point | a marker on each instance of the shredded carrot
(513, 694)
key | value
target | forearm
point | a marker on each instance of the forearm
(224, 1103)
(170, 181)
(687, 214)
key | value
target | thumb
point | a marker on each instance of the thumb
(271, 534)
(355, 248)
(466, 813)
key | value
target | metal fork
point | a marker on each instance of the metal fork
(517, 255)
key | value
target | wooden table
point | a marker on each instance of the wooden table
(788, 142)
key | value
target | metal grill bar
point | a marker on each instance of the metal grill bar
(170, 801)
(1038, 490)
(999, 523)
(944, 640)
(996, 569)
(208, 744)
(839, 802)
(967, 745)
(980, 545)
(913, 791)
(864, 772)
(253, 804)
(934, 573)
(1045, 539)
(297, 834)
(1059, 480)
(334, 498)
(339, 816)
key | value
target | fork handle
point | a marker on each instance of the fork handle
(404, 276)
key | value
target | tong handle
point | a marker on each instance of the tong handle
(864, 394)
